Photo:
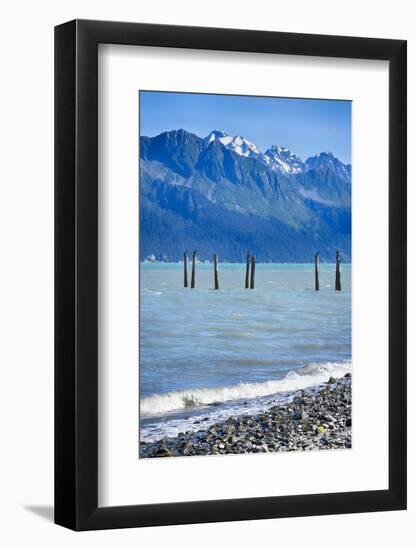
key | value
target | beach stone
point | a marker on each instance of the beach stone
(297, 415)
(331, 380)
(298, 400)
(316, 419)
(164, 451)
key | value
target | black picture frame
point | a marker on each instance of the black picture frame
(76, 272)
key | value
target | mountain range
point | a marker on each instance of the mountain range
(221, 194)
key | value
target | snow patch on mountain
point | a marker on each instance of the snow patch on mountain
(238, 144)
(219, 136)
(283, 160)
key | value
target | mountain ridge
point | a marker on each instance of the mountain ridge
(221, 193)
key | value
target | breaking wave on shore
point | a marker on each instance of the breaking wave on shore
(310, 375)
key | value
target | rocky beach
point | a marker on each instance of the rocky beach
(315, 418)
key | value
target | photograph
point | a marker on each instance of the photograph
(245, 274)
(207, 231)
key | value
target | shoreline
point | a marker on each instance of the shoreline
(316, 418)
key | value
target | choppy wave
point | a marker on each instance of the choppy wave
(309, 375)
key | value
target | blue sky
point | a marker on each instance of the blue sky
(305, 126)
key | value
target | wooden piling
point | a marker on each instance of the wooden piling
(338, 284)
(185, 270)
(216, 273)
(317, 266)
(247, 270)
(252, 273)
(193, 270)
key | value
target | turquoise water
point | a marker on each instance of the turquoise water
(234, 347)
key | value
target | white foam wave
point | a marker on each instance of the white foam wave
(310, 375)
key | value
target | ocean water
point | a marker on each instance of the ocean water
(208, 354)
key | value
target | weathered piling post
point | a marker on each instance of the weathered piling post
(216, 272)
(317, 266)
(247, 270)
(338, 285)
(193, 270)
(185, 270)
(252, 273)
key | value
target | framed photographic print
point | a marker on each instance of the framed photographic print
(230, 338)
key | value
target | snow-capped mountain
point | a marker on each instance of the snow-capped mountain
(238, 144)
(221, 193)
(283, 160)
(325, 161)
